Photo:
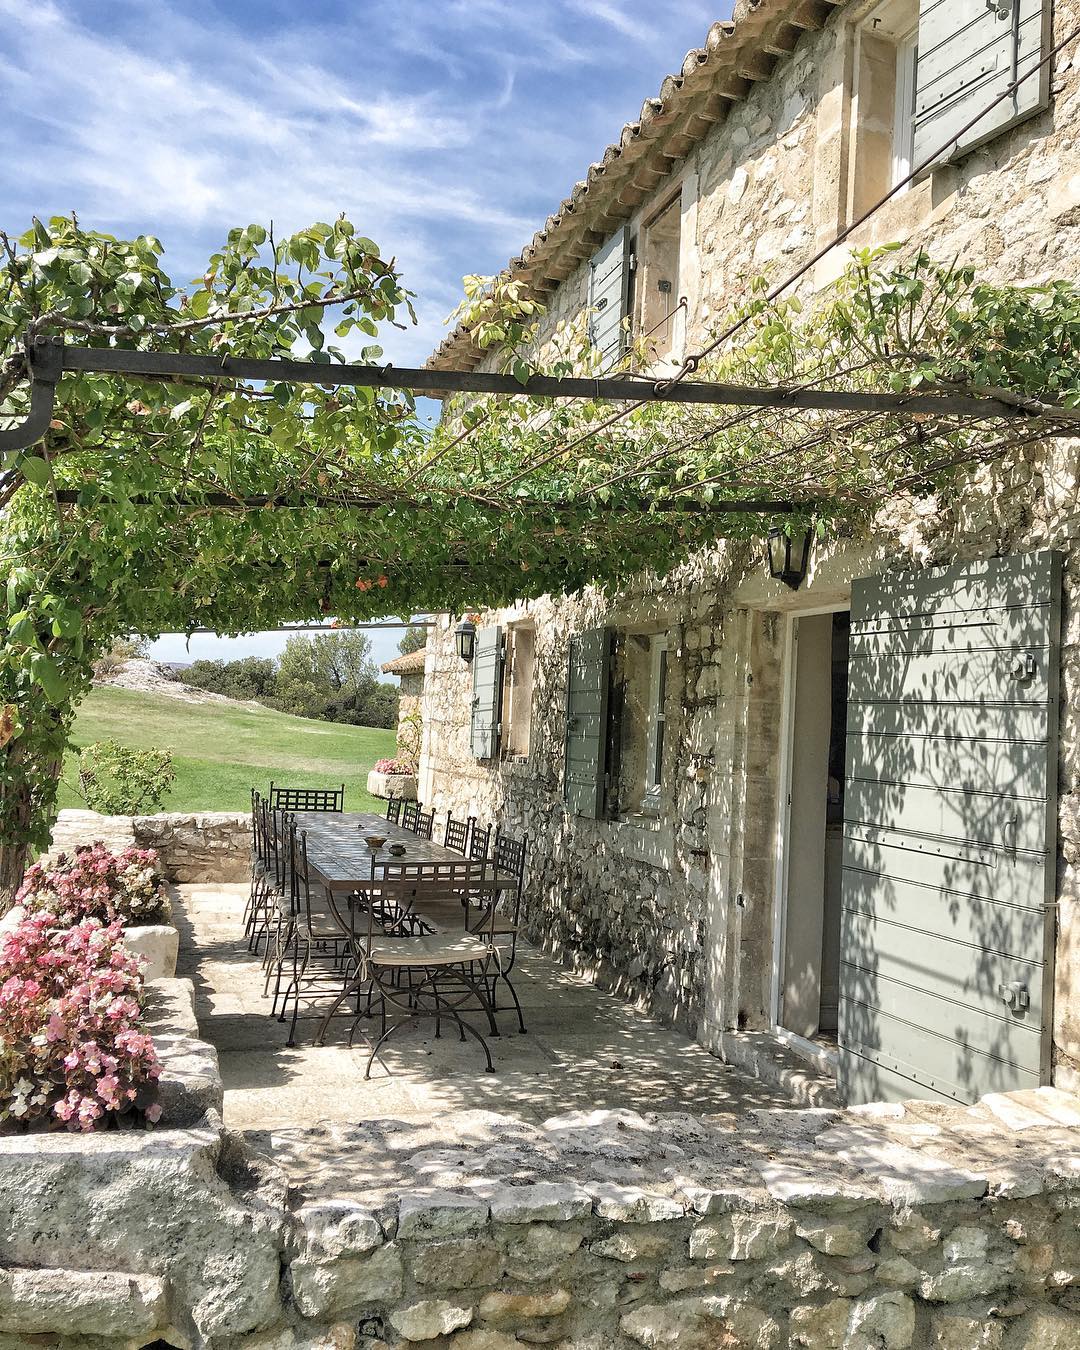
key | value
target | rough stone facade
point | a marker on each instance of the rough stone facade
(205, 846)
(679, 912)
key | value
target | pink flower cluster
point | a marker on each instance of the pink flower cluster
(93, 882)
(393, 766)
(71, 1048)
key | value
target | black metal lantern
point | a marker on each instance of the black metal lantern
(789, 557)
(465, 637)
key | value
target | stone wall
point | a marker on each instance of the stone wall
(880, 1229)
(204, 846)
(678, 915)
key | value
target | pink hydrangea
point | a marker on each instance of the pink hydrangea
(393, 766)
(71, 1045)
(94, 882)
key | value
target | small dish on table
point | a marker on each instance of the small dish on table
(374, 841)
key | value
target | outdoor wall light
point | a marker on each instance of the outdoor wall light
(789, 557)
(465, 638)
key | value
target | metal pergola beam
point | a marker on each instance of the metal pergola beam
(643, 505)
(49, 358)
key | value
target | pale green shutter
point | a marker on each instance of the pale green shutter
(586, 722)
(609, 296)
(970, 51)
(487, 693)
(950, 820)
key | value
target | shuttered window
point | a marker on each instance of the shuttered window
(609, 296)
(586, 722)
(970, 51)
(487, 693)
(949, 831)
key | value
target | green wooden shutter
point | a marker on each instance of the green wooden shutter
(950, 816)
(609, 295)
(487, 693)
(586, 722)
(970, 51)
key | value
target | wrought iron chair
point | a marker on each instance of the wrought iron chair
(425, 824)
(258, 869)
(457, 834)
(436, 975)
(393, 809)
(508, 860)
(307, 799)
(409, 813)
(314, 943)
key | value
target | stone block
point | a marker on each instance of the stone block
(833, 1236)
(961, 1331)
(631, 1243)
(688, 1324)
(536, 1252)
(438, 1214)
(508, 1309)
(814, 1187)
(885, 1320)
(1046, 1328)
(123, 1307)
(905, 1176)
(457, 1263)
(822, 1326)
(741, 1237)
(333, 1228)
(481, 1338)
(429, 1318)
(546, 1201)
(323, 1289)
(630, 1205)
(679, 1279)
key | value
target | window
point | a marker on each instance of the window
(654, 748)
(518, 689)
(883, 102)
(657, 280)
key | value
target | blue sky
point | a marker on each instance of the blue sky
(447, 130)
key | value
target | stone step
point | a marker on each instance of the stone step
(769, 1060)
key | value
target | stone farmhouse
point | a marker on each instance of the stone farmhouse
(839, 819)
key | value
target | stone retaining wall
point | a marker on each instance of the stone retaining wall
(194, 847)
(890, 1227)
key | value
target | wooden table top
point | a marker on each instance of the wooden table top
(337, 852)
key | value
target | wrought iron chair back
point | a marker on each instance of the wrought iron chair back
(307, 799)
(425, 824)
(457, 834)
(479, 840)
(409, 813)
(393, 809)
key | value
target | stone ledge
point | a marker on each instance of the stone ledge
(190, 1085)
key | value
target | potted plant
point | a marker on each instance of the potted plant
(393, 778)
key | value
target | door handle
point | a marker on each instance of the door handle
(1008, 832)
(1015, 995)
(1023, 667)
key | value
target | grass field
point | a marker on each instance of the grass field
(221, 751)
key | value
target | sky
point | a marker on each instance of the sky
(446, 130)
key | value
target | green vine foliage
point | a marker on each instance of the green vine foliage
(506, 499)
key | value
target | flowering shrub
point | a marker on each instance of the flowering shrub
(70, 1045)
(393, 766)
(126, 887)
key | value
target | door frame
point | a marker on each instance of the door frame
(807, 1048)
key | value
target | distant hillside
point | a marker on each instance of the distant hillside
(222, 748)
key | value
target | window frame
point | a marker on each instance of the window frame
(656, 726)
(640, 253)
(907, 64)
(517, 711)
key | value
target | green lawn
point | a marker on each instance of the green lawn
(221, 751)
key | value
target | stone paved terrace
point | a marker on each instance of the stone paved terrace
(585, 1050)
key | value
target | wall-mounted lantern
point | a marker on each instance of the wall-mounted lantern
(789, 557)
(465, 639)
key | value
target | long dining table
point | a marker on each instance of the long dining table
(338, 855)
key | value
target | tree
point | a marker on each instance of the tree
(249, 677)
(315, 670)
(413, 638)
